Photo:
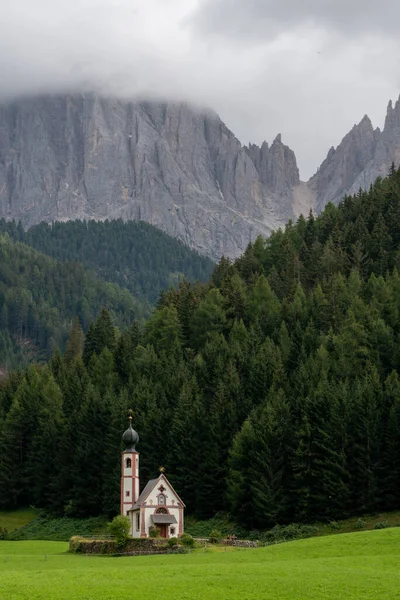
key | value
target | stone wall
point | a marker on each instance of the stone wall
(227, 542)
(133, 547)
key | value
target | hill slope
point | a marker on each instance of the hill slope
(40, 297)
(134, 255)
(282, 374)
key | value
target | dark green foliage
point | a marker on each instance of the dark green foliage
(286, 533)
(272, 392)
(40, 298)
(132, 254)
(44, 528)
(187, 540)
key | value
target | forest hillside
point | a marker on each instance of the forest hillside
(132, 254)
(40, 297)
(272, 391)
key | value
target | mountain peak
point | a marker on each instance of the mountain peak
(392, 120)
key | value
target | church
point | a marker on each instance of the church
(157, 506)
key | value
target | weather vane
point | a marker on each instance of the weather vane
(162, 469)
(130, 411)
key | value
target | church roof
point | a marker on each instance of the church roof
(164, 519)
(150, 485)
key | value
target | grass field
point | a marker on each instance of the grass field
(355, 566)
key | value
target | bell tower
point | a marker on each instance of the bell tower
(129, 469)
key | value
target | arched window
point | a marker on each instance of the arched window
(161, 499)
(161, 511)
(128, 463)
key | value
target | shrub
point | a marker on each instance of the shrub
(153, 532)
(187, 540)
(334, 525)
(215, 536)
(285, 533)
(381, 525)
(3, 533)
(120, 527)
(61, 529)
(172, 542)
(75, 544)
(360, 524)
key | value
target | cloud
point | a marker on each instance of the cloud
(307, 75)
(258, 19)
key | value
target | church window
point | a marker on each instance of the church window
(128, 493)
(137, 522)
(161, 499)
(161, 511)
(172, 530)
(161, 489)
(128, 463)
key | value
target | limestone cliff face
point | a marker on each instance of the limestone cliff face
(362, 156)
(88, 157)
(83, 156)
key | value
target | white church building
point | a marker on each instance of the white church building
(158, 505)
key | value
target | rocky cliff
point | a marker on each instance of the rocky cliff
(83, 156)
(363, 155)
(179, 168)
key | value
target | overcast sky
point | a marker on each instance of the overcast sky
(308, 69)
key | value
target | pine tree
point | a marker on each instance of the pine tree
(74, 345)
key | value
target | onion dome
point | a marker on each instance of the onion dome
(130, 438)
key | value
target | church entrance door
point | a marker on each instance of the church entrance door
(163, 530)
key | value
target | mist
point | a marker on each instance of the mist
(305, 73)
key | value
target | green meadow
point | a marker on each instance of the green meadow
(349, 566)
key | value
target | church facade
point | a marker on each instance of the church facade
(157, 506)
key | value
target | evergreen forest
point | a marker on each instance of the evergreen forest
(52, 273)
(272, 391)
(39, 298)
(132, 254)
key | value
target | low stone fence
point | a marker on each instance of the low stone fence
(230, 542)
(135, 547)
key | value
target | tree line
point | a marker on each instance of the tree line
(271, 391)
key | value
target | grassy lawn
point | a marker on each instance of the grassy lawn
(16, 519)
(351, 566)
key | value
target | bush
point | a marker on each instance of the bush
(153, 532)
(334, 525)
(172, 542)
(360, 524)
(120, 527)
(187, 540)
(286, 533)
(254, 535)
(381, 525)
(75, 544)
(221, 521)
(215, 536)
(61, 529)
(3, 533)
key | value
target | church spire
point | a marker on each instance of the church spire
(130, 436)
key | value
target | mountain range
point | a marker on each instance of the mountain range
(84, 156)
